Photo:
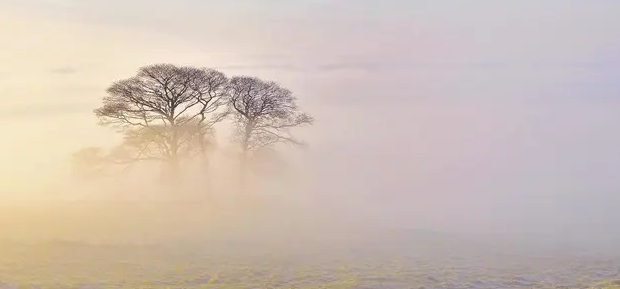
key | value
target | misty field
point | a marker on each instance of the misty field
(254, 250)
(260, 265)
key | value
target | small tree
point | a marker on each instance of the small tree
(264, 113)
(165, 113)
(89, 162)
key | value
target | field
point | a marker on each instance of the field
(306, 259)
(309, 265)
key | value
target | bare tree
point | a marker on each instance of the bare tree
(165, 113)
(264, 113)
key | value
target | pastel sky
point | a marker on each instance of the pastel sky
(450, 113)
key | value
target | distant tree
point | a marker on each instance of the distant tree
(264, 113)
(165, 113)
(89, 162)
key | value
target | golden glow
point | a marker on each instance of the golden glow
(53, 72)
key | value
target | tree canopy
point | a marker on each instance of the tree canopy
(167, 114)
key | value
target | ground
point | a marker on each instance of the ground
(261, 265)
(150, 246)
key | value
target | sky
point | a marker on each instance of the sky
(452, 114)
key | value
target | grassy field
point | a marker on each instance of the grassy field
(246, 265)
(85, 245)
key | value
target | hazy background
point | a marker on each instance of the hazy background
(469, 115)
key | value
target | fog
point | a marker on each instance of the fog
(488, 121)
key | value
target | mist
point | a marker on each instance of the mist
(430, 130)
(470, 129)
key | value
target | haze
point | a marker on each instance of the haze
(470, 116)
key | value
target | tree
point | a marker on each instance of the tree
(89, 162)
(165, 113)
(264, 113)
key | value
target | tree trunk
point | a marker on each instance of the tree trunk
(243, 162)
(174, 162)
(206, 173)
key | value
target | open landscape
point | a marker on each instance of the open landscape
(260, 250)
(309, 144)
(299, 265)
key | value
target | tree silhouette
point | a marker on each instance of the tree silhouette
(264, 113)
(165, 113)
